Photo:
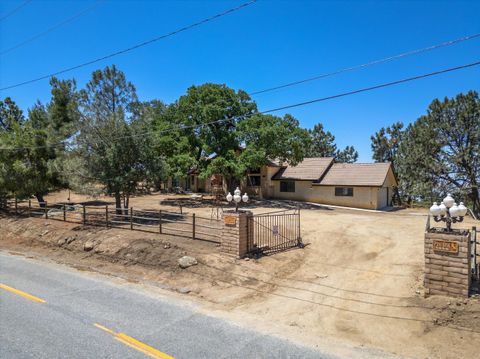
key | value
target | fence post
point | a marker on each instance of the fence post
(29, 207)
(193, 226)
(106, 215)
(131, 218)
(64, 213)
(16, 205)
(46, 210)
(299, 236)
(84, 211)
(181, 209)
(160, 221)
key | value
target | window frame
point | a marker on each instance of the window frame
(344, 192)
(287, 186)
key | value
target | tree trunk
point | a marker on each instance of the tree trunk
(41, 201)
(126, 201)
(118, 203)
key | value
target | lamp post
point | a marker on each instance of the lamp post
(448, 212)
(237, 198)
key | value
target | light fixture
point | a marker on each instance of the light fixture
(448, 212)
(237, 198)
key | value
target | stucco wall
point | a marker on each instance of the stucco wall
(363, 197)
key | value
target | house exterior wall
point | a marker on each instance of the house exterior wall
(363, 197)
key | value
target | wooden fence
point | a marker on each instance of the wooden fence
(159, 221)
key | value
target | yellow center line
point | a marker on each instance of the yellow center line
(21, 293)
(135, 344)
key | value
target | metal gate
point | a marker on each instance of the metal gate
(273, 232)
(475, 255)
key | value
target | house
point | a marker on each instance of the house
(319, 180)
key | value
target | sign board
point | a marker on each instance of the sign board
(275, 230)
(230, 220)
(445, 246)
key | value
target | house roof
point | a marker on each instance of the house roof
(310, 169)
(356, 174)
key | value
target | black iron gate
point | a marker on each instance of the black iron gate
(274, 232)
(475, 255)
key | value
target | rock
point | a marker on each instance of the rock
(321, 275)
(44, 233)
(247, 259)
(70, 239)
(186, 262)
(166, 246)
(61, 241)
(88, 246)
(184, 290)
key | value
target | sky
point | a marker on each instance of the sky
(265, 44)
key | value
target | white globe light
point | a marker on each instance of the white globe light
(229, 197)
(237, 192)
(462, 210)
(237, 198)
(449, 201)
(443, 209)
(245, 198)
(435, 210)
(454, 210)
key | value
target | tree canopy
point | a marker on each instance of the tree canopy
(438, 153)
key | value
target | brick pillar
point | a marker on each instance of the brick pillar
(447, 263)
(235, 233)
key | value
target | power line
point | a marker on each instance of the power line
(376, 87)
(371, 63)
(14, 10)
(344, 94)
(53, 28)
(142, 44)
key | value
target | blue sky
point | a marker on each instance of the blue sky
(263, 45)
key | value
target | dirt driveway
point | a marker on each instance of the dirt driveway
(358, 282)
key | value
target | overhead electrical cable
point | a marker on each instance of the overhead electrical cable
(367, 64)
(344, 94)
(53, 28)
(134, 47)
(7, 15)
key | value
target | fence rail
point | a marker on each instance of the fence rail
(156, 221)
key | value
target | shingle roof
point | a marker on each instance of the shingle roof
(356, 174)
(311, 169)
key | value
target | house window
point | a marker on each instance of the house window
(344, 191)
(287, 186)
(254, 181)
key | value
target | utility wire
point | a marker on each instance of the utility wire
(344, 94)
(142, 44)
(14, 10)
(371, 63)
(53, 28)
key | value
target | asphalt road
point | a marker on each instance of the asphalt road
(51, 311)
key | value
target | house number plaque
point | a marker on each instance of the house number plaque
(445, 246)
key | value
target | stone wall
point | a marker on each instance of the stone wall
(235, 233)
(447, 271)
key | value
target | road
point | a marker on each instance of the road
(51, 311)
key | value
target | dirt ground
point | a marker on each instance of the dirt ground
(357, 284)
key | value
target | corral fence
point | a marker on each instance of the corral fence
(181, 224)
(273, 232)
